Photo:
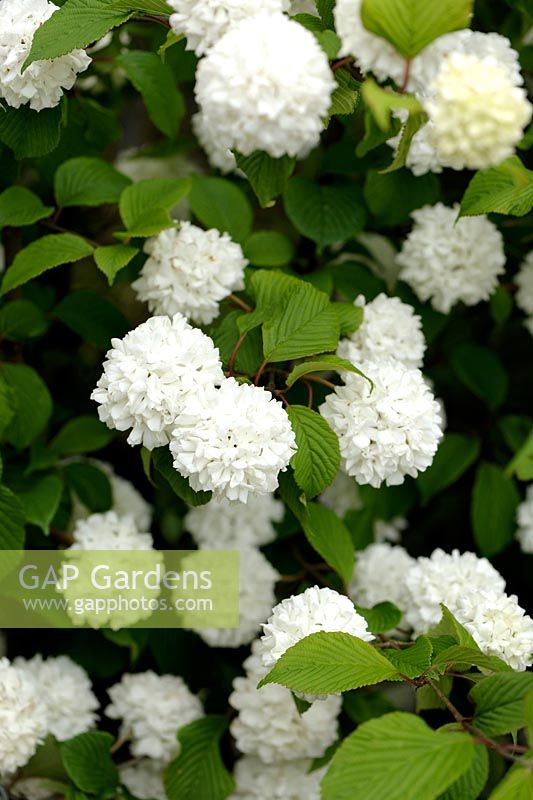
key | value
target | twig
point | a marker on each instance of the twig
(49, 223)
(406, 75)
(238, 302)
(233, 356)
(322, 381)
(260, 372)
(309, 393)
(342, 62)
(153, 18)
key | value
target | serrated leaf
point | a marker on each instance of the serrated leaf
(42, 255)
(317, 459)
(31, 403)
(112, 258)
(470, 785)
(31, 134)
(268, 249)
(326, 363)
(199, 771)
(528, 709)
(448, 627)
(415, 121)
(412, 661)
(494, 503)
(220, 204)
(40, 500)
(268, 176)
(328, 663)
(517, 785)
(324, 213)
(145, 206)
(88, 762)
(330, 537)
(506, 189)
(19, 207)
(162, 461)
(345, 97)
(92, 317)
(455, 455)
(460, 656)
(11, 521)
(269, 289)
(81, 435)
(88, 182)
(350, 317)
(382, 617)
(499, 701)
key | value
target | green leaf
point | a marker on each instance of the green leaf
(522, 463)
(20, 320)
(40, 500)
(162, 461)
(269, 289)
(494, 503)
(81, 435)
(20, 207)
(410, 25)
(325, 214)
(382, 102)
(345, 97)
(31, 134)
(397, 757)
(501, 305)
(317, 459)
(470, 785)
(528, 709)
(415, 121)
(517, 785)
(42, 255)
(112, 258)
(90, 484)
(455, 455)
(156, 83)
(305, 324)
(482, 372)
(7, 407)
(199, 771)
(220, 204)
(92, 317)
(250, 353)
(31, 402)
(324, 364)
(382, 617)
(329, 42)
(268, 249)
(330, 538)
(414, 191)
(328, 663)
(88, 762)
(350, 317)
(507, 189)
(461, 656)
(325, 9)
(88, 182)
(448, 627)
(268, 176)
(11, 521)
(499, 701)
(411, 661)
(145, 206)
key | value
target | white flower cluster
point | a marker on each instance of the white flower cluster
(380, 574)
(390, 329)
(265, 85)
(218, 155)
(144, 779)
(223, 525)
(189, 271)
(447, 260)
(152, 708)
(286, 780)
(524, 295)
(524, 516)
(109, 531)
(388, 431)
(42, 84)
(23, 718)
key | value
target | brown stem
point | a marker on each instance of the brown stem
(342, 62)
(309, 393)
(260, 372)
(120, 742)
(60, 229)
(238, 302)
(63, 536)
(233, 356)
(322, 381)
(153, 18)
(406, 75)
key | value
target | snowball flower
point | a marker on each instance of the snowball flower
(387, 432)
(390, 329)
(66, 693)
(422, 156)
(218, 155)
(266, 85)
(499, 626)
(233, 441)
(204, 22)
(108, 531)
(389, 530)
(310, 612)
(144, 779)
(449, 260)
(150, 373)
(524, 516)
(43, 82)
(379, 576)
(269, 725)
(257, 579)
(152, 709)
(445, 578)
(190, 271)
(23, 717)
(477, 111)
(524, 295)
(223, 525)
(285, 780)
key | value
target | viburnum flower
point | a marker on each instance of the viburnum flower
(42, 84)
(189, 271)
(477, 111)
(443, 579)
(66, 693)
(149, 374)
(218, 155)
(379, 576)
(285, 780)
(204, 22)
(23, 717)
(524, 516)
(233, 441)
(144, 779)
(152, 708)
(108, 531)
(388, 431)
(449, 260)
(524, 295)
(223, 525)
(257, 579)
(265, 85)
(499, 626)
(269, 725)
(390, 329)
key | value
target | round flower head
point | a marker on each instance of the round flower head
(269, 725)
(524, 516)
(42, 84)
(387, 432)
(223, 525)
(233, 441)
(219, 156)
(144, 779)
(478, 113)
(23, 717)
(310, 612)
(257, 579)
(204, 22)
(150, 373)
(390, 329)
(524, 295)
(445, 578)
(286, 780)
(266, 85)
(189, 271)
(449, 260)
(108, 531)
(499, 626)
(389, 530)
(152, 709)
(379, 576)
(66, 693)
